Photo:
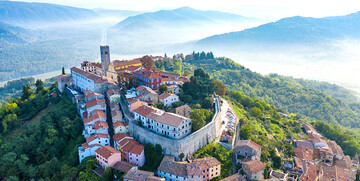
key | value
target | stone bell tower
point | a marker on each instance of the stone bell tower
(105, 57)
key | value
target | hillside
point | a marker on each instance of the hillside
(293, 30)
(287, 96)
(180, 17)
(23, 12)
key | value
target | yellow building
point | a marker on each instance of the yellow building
(121, 65)
(112, 72)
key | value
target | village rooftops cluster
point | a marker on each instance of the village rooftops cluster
(164, 123)
(198, 169)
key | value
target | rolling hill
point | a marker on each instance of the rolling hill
(184, 16)
(23, 12)
(293, 30)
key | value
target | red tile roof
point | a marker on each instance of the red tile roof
(144, 110)
(95, 102)
(106, 151)
(309, 172)
(254, 165)
(304, 153)
(98, 135)
(86, 145)
(111, 92)
(249, 143)
(119, 123)
(101, 124)
(99, 114)
(120, 136)
(165, 95)
(137, 149)
(133, 68)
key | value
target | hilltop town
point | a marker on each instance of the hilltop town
(128, 105)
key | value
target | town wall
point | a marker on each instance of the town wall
(187, 145)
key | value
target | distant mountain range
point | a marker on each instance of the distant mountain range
(116, 13)
(19, 12)
(180, 17)
(11, 34)
(292, 30)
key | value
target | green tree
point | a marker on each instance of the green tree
(207, 103)
(220, 87)
(186, 98)
(276, 161)
(26, 92)
(160, 105)
(108, 174)
(63, 71)
(39, 85)
(245, 132)
(181, 156)
(198, 119)
(163, 88)
(256, 112)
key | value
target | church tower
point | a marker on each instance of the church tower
(105, 57)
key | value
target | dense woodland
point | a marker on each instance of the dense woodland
(286, 96)
(39, 136)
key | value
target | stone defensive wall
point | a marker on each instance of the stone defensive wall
(187, 145)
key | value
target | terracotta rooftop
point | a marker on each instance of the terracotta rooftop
(106, 151)
(166, 95)
(235, 177)
(194, 168)
(101, 124)
(94, 77)
(184, 107)
(249, 143)
(304, 144)
(98, 114)
(145, 90)
(335, 147)
(95, 102)
(304, 153)
(207, 162)
(120, 123)
(309, 172)
(174, 168)
(111, 92)
(86, 145)
(329, 172)
(138, 175)
(137, 149)
(254, 165)
(144, 110)
(171, 119)
(133, 68)
(123, 166)
(309, 127)
(121, 136)
(98, 135)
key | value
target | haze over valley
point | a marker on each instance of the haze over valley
(303, 47)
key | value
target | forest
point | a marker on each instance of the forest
(287, 96)
(39, 136)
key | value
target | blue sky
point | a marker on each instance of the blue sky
(267, 9)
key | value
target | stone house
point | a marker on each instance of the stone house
(254, 169)
(247, 149)
(183, 110)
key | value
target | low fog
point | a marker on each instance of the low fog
(336, 62)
